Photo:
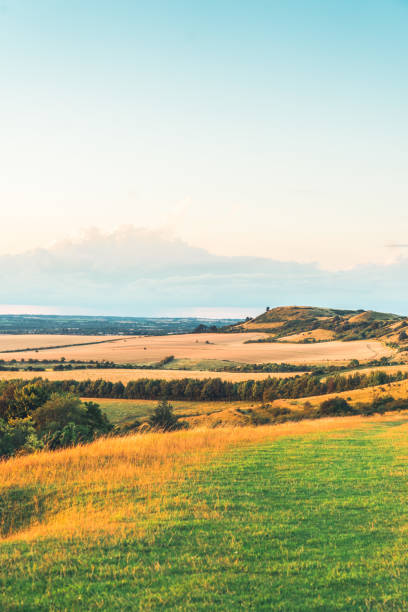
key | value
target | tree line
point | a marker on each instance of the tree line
(216, 389)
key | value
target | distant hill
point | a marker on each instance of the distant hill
(310, 324)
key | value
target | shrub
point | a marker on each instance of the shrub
(164, 418)
(64, 420)
(335, 406)
(18, 436)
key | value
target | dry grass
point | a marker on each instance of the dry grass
(262, 326)
(316, 334)
(398, 390)
(214, 346)
(90, 485)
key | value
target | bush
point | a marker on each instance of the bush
(164, 418)
(18, 436)
(64, 420)
(335, 406)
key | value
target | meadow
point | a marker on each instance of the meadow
(219, 346)
(299, 516)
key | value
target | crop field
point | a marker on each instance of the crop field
(18, 342)
(123, 375)
(300, 516)
(150, 349)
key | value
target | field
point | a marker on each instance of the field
(19, 342)
(212, 413)
(301, 516)
(150, 349)
(118, 374)
(123, 410)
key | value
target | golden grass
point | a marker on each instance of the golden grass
(119, 374)
(262, 326)
(398, 390)
(316, 334)
(214, 346)
(109, 486)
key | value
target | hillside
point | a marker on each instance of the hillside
(299, 516)
(311, 324)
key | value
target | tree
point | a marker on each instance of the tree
(18, 436)
(335, 406)
(65, 420)
(164, 418)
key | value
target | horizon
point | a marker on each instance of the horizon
(247, 148)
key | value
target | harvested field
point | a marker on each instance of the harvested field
(150, 349)
(392, 369)
(12, 342)
(122, 375)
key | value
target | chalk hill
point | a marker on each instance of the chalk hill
(311, 324)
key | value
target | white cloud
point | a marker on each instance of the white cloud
(140, 271)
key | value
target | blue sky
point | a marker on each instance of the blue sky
(269, 129)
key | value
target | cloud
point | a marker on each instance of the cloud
(142, 272)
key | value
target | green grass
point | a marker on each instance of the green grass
(121, 411)
(316, 522)
(201, 364)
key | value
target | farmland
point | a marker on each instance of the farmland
(298, 516)
(219, 346)
(23, 342)
(126, 375)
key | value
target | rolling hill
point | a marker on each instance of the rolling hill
(310, 324)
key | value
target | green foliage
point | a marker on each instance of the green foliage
(64, 420)
(164, 418)
(18, 436)
(335, 406)
(31, 416)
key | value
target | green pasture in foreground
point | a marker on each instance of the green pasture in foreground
(316, 522)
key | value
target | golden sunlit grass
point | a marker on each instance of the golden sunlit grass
(398, 390)
(298, 516)
(111, 484)
(316, 334)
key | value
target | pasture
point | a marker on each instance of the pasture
(300, 516)
(122, 410)
(232, 347)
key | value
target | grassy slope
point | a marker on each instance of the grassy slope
(301, 522)
(122, 411)
(209, 413)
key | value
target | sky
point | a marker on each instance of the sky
(264, 129)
